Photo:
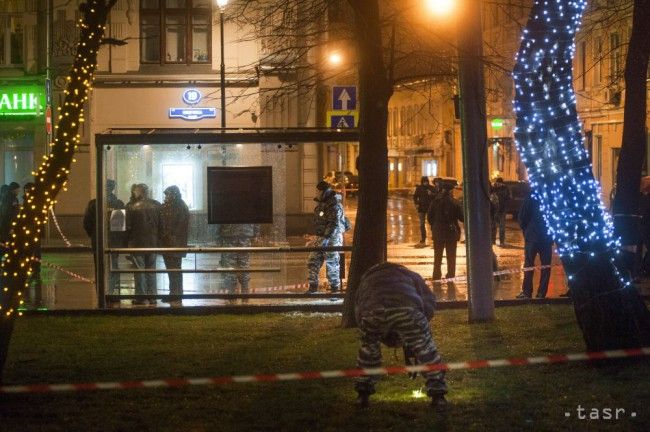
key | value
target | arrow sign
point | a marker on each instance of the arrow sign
(344, 98)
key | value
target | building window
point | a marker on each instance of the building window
(614, 56)
(175, 31)
(11, 40)
(598, 60)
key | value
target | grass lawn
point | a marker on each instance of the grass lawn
(81, 349)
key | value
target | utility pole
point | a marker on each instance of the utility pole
(476, 200)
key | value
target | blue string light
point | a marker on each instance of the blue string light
(548, 136)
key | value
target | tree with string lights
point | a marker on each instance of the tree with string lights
(609, 309)
(52, 174)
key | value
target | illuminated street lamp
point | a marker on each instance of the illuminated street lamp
(441, 7)
(222, 5)
(335, 58)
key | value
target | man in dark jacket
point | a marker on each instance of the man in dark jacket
(422, 197)
(444, 214)
(329, 223)
(174, 226)
(143, 224)
(502, 192)
(115, 238)
(394, 307)
(536, 242)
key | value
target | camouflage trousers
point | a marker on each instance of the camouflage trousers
(236, 260)
(331, 259)
(414, 332)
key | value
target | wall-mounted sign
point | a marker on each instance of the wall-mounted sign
(497, 123)
(192, 96)
(192, 113)
(22, 100)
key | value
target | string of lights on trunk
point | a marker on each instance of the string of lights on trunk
(549, 138)
(52, 174)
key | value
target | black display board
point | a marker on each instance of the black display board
(240, 195)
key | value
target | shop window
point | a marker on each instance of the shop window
(11, 40)
(430, 168)
(175, 31)
(181, 175)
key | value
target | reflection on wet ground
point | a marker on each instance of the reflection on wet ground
(59, 290)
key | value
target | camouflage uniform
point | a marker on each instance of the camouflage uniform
(329, 221)
(236, 235)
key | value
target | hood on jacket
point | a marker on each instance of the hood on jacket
(174, 192)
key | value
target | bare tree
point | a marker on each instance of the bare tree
(52, 175)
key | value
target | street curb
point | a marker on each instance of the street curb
(259, 309)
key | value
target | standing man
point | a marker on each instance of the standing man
(329, 221)
(444, 214)
(502, 192)
(236, 235)
(422, 198)
(394, 307)
(174, 226)
(115, 237)
(143, 224)
(536, 242)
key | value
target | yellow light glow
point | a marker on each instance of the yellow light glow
(441, 7)
(418, 394)
(335, 58)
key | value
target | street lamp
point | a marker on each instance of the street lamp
(222, 5)
(440, 7)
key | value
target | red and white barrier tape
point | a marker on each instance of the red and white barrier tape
(58, 228)
(61, 269)
(299, 376)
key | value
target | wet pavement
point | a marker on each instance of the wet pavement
(286, 271)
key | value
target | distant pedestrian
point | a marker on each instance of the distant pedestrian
(143, 224)
(174, 227)
(237, 235)
(116, 237)
(422, 198)
(502, 192)
(394, 307)
(330, 223)
(536, 242)
(444, 215)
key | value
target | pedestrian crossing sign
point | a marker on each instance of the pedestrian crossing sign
(342, 119)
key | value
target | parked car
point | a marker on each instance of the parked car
(518, 192)
(339, 179)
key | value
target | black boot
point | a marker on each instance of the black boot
(313, 289)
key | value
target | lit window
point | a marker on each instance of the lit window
(11, 40)
(181, 175)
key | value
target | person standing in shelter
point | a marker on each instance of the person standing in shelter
(236, 235)
(394, 307)
(422, 198)
(536, 242)
(330, 223)
(444, 215)
(116, 237)
(502, 192)
(143, 224)
(174, 227)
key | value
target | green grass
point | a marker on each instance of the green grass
(123, 348)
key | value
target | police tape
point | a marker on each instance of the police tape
(58, 228)
(314, 375)
(63, 270)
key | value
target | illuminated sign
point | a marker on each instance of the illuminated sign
(27, 100)
(497, 123)
(192, 113)
(192, 96)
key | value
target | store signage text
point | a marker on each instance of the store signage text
(27, 101)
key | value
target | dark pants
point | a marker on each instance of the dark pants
(444, 242)
(113, 277)
(175, 278)
(545, 252)
(423, 226)
(500, 224)
(413, 329)
(145, 283)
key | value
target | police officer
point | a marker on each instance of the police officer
(236, 235)
(422, 197)
(394, 307)
(444, 214)
(330, 224)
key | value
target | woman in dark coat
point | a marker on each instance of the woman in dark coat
(174, 226)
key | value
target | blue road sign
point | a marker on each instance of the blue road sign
(342, 121)
(192, 113)
(48, 91)
(344, 97)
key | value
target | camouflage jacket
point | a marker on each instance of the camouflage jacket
(328, 214)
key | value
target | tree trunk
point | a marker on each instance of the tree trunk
(633, 148)
(375, 89)
(52, 175)
(608, 307)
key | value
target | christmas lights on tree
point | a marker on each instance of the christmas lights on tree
(52, 174)
(549, 138)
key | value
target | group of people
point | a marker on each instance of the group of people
(144, 223)
(437, 206)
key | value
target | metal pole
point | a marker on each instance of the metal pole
(475, 170)
(99, 226)
(223, 73)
